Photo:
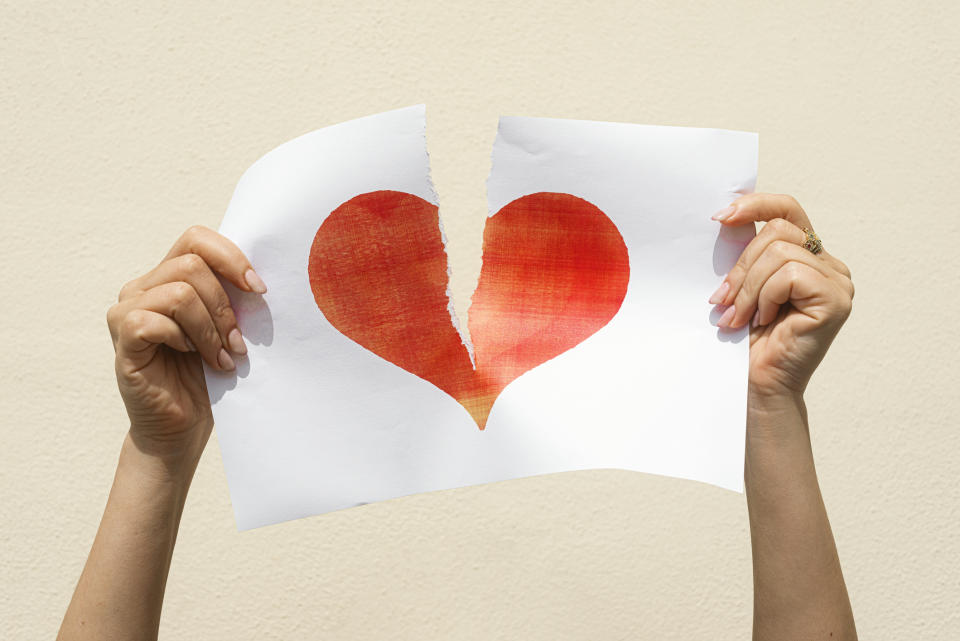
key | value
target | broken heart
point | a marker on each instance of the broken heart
(555, 270)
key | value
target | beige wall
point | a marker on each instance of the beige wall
(121, 126)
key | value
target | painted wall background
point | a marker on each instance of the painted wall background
(121, 125)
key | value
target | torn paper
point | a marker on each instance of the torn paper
(591, 339)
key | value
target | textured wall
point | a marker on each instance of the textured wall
(121, 126)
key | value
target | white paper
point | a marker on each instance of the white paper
(312, 422)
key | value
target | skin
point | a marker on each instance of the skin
(169, 319)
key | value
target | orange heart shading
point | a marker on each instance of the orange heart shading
(555, 270)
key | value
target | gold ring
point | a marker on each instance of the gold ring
(812, 242)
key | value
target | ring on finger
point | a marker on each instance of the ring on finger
(812, 242)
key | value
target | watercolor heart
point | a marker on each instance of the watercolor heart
(555, 270)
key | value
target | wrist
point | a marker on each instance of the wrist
(169, 464)
(776, 425)
(761, 400)
(778, 453)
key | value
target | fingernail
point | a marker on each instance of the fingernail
(224, 360)
(236, 342)
(721, 293)
(727, 316)
(756, 318)
(724, 213)
(256, 283)
(190, 344)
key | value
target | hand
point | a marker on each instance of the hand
(162, 324)
(795, 300)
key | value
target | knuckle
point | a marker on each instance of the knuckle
(846, 306)
(210, 335)
(194, 231)
(112, 313)
(181, 292)
(737, 268)
(791, 201)
(740, 267)
(781, 248)
(222, 308)
(794, 273)
(780, 226)
(134, 321)
(193, 264)
(125, 291)
(746, 291)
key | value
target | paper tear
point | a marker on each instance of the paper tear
(462, 329)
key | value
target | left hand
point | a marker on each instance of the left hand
(795, 300)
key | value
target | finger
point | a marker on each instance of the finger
(774, 257)
(763, 207)
(808, 290)
(769, 207)
(181, 302)
(142, 330)
(778, 229)
(221, 255)
(192, 269)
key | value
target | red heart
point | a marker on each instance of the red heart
(555, 270)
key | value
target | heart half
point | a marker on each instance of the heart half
(555, 270)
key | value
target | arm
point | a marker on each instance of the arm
(799, 590)
(162, 325)
(795, 301)
(120, 591)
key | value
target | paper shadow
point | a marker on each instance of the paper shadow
(723, 334)
(730, 242)
(727, 248)
(256, 325)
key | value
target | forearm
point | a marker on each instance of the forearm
(120, 592)
(799, 592)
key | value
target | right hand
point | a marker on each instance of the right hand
(162, 325)
(798, 300)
